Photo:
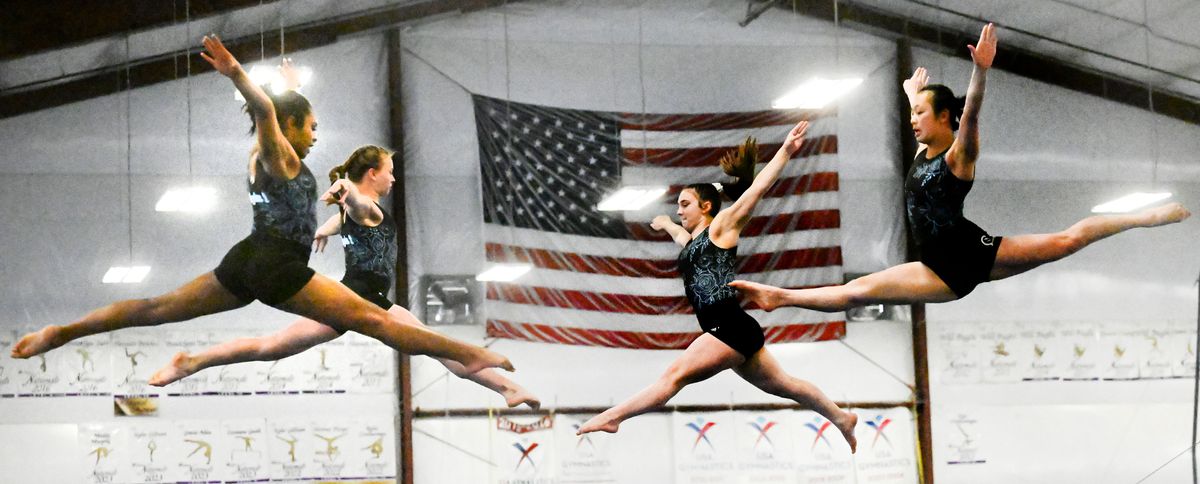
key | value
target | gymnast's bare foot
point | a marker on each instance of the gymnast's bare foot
(846, 426)
(766, 297)
(38, 342)
(599, 423)
(1166, 214)
(516, 396)
(484, 358)
(180, 367)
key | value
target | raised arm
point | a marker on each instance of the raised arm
(361, 208)
(965, 150)
(912, 86)
(728, 224)
(663, 222)
(274, 151)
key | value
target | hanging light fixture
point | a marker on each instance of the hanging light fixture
(131, 273)
(1137, 200)
(189, 198)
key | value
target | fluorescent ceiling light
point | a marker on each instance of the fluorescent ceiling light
(631, 198)
(125, 275)
(262, 75)
(503, 272)
(187, 199)
(815, 94)
(1131, 202)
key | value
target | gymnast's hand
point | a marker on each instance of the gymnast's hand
(319, 241)
(795, 138)
(219, 56)
(985, 51)
(918, 81)
(290, 75)
(660, 222)
(337, 192)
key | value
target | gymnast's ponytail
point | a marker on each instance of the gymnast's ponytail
(739, 163)
(364, 158)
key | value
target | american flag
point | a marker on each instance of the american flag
(608, 279)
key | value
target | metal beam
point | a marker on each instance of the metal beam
(1017, 61)
(167, 67)
(757, 407)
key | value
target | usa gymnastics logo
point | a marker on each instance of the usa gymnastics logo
(583, 438)
(819, 426)
(526, 455)
(762, 425)
(880, 424)
(701, 427)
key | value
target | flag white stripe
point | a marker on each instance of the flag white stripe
(668, 323)
(765, 207)
(652, 286)
(657, 175)
(596, 246)
(636, 138)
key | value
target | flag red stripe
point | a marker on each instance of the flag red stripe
(768, 224)
(712, 121)
(593, 301)
(662, 341)
(709, 156)
(660, 269)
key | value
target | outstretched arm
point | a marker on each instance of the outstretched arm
(359, 207)
(965, 150)
(912, 86)
(331, 227)
(275, 152)
(730, 221)
(663, 222)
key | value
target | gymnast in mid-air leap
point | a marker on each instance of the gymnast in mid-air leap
(956, 255)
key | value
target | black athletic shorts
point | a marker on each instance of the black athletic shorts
(961, 256)
(371, 287)
(265, 268)
(727, 321)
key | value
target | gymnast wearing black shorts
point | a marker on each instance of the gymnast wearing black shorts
(271, 264)
(956, 255)
(368, 235)
(731, 338)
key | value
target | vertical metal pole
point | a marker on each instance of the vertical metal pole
(404, 366)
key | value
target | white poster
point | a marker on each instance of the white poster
(1086, 352)
(154, 448)
(203, 456)
(372, 365)
(245, 443)
(278, 377)
(190, 342)
(370, 449)
(1002, 362)
(582, 458)
(766, 448)
(523, 450)
(705, 447)
(1154, 356)
(960, 355)
(329, 447)
(290, 446)
(136, 355)
(886, 446)
(44, 375)
(325, 368)
(8, 367)
(1043, 351)
(101, 453)
(1119, 345)
(961, 439)
(822, 454)
(1182, 344)
(86, 366)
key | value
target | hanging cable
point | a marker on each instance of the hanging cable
(128, 150)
